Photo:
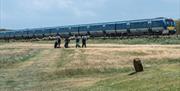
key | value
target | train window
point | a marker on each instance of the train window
(64, 29)
(96, 27)
(121, 26)
(11, 34)
(139, 25)
(83, 28)
(7, 34)
(1, 35)
(104, 25)
(30, 32)
(159, 23)
(144, 24)
(54, 30)
(17, 33)
(170, 23)
(74, 29)
(39, 31)
(110, 27)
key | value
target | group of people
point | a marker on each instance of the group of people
(57, 43)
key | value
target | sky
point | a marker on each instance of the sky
(20, 14)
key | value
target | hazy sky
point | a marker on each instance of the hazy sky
(17, 14)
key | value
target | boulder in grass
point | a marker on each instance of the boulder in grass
(138, 65)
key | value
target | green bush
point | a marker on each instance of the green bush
(178, 26)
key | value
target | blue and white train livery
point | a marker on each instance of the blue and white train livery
(155, 26)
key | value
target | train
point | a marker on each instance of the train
(153, 26)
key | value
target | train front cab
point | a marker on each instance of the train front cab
(170, 26)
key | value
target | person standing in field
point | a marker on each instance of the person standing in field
(77, 41)
(67, 40)
(84, 39)
(57, 42)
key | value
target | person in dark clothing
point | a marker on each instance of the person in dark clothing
(77, 42)
(84, 39)
(57, 42)
(66, 45)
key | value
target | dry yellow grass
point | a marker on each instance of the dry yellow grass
(122, 56)
(101, 55)
(97, 56)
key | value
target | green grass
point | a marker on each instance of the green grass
(79, 72)
(162, 75)
(132, 53)
(9, 60)
(139, 40)
(157, 78)
(161, 40)
(66, 57)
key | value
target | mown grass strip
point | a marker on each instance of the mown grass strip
(66, 57)
(81, 72)
(162, 61)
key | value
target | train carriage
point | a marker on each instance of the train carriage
(6, 35)
(74, 30)
(25, 33)
(45, 33)
(155, 26)
(96, 30)
(31, 33)
(11, 34)
(64, 31)
(38, 33)
(109, 28)
(83, 30)
(139, 27)
(1, 35)
(18, 34)
(121, 27)
(52, 31)
(158, 26)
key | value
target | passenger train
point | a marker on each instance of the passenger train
(154, 26)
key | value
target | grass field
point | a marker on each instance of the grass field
(103, 66)
(173, 39)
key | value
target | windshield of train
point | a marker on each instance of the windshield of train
(170, 23)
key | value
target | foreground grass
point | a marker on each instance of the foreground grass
(90, 69)
(9, 59)
(153, 79)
